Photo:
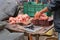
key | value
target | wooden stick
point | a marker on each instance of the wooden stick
(30, 37)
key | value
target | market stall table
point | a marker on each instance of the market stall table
(19, 28)
(40, 32)
(14, 28)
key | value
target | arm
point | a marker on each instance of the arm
(37, 15)
(44, 10)
(51, 7)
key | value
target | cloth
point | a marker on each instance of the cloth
(54, 5)
(6, 35)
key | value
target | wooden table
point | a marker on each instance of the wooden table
(19, 29)
(40, 32)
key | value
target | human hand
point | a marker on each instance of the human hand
(37, 15)
(43, 17)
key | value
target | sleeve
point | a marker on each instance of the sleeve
(52, 5)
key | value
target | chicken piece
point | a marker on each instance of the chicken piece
(18, 19)
(12, 20)
(26, 17)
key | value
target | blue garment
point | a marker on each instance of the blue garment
(54, 5)
(45, 1)
(58, 36)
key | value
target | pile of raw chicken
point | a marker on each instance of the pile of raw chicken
(24, 18)
(42, 16)
(41, 20)
(21, 18)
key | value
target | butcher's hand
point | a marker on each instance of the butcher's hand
(37, 15)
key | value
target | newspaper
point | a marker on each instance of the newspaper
(32, 28)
